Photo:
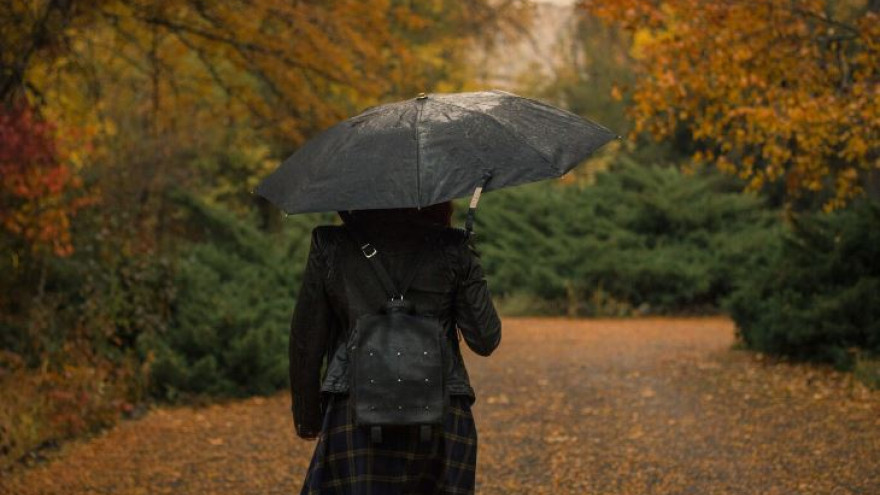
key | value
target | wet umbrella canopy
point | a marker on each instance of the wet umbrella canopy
(431, 149)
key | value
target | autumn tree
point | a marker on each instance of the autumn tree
(294, 66)
(36, 182)
(773, 91)
(153, 77)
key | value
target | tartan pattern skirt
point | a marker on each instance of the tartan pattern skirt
(347, 462)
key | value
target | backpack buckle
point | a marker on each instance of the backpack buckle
(366, 247)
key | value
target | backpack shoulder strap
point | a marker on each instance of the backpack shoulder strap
(372, 254)
(369, 251)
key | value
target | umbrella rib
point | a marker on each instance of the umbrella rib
(498, 123)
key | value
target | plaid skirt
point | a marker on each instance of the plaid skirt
(347, 462)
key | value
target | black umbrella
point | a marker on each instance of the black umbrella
(431, 149)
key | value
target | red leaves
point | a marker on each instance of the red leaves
(35, 181)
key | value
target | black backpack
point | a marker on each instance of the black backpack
(396, 358)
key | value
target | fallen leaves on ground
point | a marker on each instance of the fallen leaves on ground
(638, 406)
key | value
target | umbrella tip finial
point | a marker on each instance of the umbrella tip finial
(422, 96)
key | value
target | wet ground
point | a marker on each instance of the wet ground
(637, 406)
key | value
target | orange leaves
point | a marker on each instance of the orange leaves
(629, 406)
(192, 76)
(35, 182)
(774, 89)
(288, 68)
(48, 405)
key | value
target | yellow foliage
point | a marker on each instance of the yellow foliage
(287, 68)
(134, 89)
(777, 90)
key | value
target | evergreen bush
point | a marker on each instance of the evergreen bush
(641, 239)
(235, 289)
(817, 294)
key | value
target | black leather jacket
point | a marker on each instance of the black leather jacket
(339, 285)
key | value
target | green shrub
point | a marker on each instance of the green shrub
(817, 294)
(234, 293)
(642, 239)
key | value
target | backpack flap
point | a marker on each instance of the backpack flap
(398, 370)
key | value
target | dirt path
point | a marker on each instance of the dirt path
(647, 406)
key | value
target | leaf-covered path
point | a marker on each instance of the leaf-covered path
(643, 406)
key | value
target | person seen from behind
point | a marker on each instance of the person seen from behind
(444, 281)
